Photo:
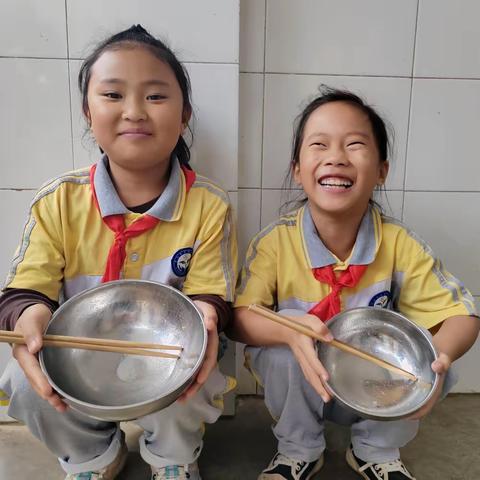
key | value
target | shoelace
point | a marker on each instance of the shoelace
(175, 472)
(384, 468)
(87, 476)
(282, 459)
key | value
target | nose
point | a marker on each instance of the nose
(134, 110)
(336, 156)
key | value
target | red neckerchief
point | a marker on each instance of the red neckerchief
(116, 223)
(330, 305)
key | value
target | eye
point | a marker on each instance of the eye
(318, 144)
(156, 97)
(356, 143)
(112, 95)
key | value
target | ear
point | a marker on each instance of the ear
(186, 116)
(383, 172)
(296, 173)
(86, 112)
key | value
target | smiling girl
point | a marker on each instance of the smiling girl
(338, 251)
(140, 212)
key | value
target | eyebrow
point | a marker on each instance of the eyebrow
(146, 83)
(319, 134)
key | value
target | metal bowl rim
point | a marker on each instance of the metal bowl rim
(103, 286)
(386, 416)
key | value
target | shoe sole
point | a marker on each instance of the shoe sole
(352, 463)
(315, 470)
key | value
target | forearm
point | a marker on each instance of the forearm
(253, 329)
(223, 309)
(14, 301)
(457, 335)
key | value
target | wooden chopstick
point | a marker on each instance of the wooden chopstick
(87, 346)
(98, 341)
(290, 323)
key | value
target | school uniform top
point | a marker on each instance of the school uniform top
(65, 242)
(402, 272)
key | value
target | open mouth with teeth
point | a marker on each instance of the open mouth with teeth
(335, 183)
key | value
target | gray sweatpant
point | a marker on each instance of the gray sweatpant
(172, 436)
(300, 412)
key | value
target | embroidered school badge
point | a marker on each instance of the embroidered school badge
(181, 261)
(381, 299)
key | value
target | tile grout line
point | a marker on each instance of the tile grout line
(263, 110)
(409, 114)
(69, 86)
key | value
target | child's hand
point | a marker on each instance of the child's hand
(32, 323)
(210, 359)
(303, 348)
(440, 366)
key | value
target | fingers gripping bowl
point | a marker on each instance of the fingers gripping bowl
(370, 390)
(115, 386)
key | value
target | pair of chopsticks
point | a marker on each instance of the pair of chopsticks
(290, 323)
(98, 344)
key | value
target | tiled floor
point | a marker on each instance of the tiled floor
(447, 447)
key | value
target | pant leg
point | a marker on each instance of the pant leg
(380, 441)
(173, 436)
(376, 441)
(81, 443)
(291, 400)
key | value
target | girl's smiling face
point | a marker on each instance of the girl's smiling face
(339, 163)
(135, 108)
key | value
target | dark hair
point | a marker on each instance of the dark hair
(134, 36)
(329, 95)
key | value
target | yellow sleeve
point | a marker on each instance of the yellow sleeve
(258, 280)
(39, 261)
(213, 266)
(429, 293)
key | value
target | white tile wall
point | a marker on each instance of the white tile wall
(272, 200)
(14, 206)
(443, 141)
(35, 132)
(448, 222)
(248, 218)
(467, 368)
(391, 202)
(252, 35)
(286, 95)
(448, 39)
(85, 150)
(247, 214)
(204, 31)
(29, 29)
(215, 103)
(346, 37)
(250, 130)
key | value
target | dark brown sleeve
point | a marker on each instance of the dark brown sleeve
(223, 308)
(15, 300)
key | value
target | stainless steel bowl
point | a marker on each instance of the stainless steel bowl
(367, 389)
(114, 386)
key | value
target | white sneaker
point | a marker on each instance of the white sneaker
(394, 470)
(108, 473)
(177, 472)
